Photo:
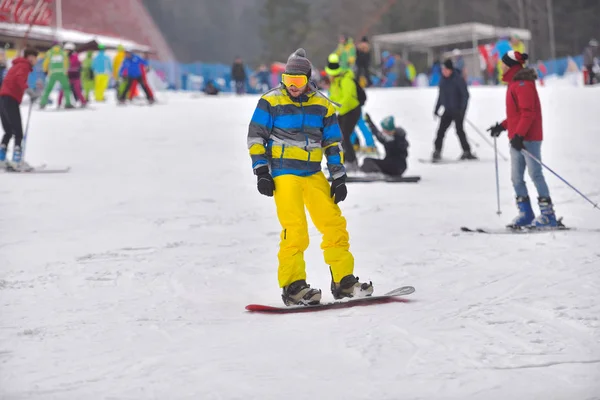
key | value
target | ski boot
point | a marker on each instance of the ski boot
(300, 293)
(525, 216)
(547, 218)
(349, 286)
(467, 155)
(2, 156)
(436, 156)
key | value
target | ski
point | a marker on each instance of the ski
(40, 169)
(516, 230)
(390, 297)
(447, 161)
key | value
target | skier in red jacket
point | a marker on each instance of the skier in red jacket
(11, 95)
(524, 125)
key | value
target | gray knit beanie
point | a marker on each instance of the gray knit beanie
(298, 64)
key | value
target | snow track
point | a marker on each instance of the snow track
(127, 277)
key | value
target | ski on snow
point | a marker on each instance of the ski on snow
(517, 230)
(40, 169)
(390, 297)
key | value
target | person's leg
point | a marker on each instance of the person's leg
(347, 124)
(327, 217)
(47, 89)
(289, 200)
(366, 132)
(66, 87)
(518, 163)
(460, 132)
(445, 122)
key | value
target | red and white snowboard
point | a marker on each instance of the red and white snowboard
(391, 297)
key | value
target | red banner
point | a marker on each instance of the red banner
(38, 12)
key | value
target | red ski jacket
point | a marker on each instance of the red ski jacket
(523, 109)
(15, 83)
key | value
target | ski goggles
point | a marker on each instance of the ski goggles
(294, 80)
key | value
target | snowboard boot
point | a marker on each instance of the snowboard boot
(547, 218)
(300, 293)
(436, 156)
(2, 156)
(467, 155)
(349, 286)
(525, 216)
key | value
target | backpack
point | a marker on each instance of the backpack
(360, 93)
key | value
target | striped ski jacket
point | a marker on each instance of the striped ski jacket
(292, 134)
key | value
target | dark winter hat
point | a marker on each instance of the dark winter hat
(512, 58)
(448, 63)
(30, 52)
(298, 64)
(388, 123)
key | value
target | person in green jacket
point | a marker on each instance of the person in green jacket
(346, 52)
(343, 90)
(57, 65)
(87, 75)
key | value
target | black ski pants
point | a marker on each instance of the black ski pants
(445, 122)
(385, 166)
(141, 82)
(10, 113)
(347, 123)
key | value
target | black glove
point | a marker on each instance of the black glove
(367, 118)
(496, 130)
(435, 114)
(264, 181)
(338, 189)
(517, 142)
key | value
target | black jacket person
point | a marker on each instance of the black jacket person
(396, 148)
(454, 97)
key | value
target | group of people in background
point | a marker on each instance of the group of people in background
(78, 76)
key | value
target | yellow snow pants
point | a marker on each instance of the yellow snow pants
(292, 194)
(101, 81)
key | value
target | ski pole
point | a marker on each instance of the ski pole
(484, 137)
(561, 178)
(497, 177)
(24, 141)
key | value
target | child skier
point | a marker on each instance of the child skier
(292, 127)
(11, 95)
(74, 74)
(132, 70)
(524, 124)
(56, 64)
(102, 69)
(396, 148)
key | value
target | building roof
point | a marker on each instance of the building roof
(50, 34)
(447, 35)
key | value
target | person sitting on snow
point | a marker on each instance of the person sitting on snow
(396, 148)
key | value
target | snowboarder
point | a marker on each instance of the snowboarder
(74, 73)
(56, 64)
(11, 95)
(396, 148)
(454, 96)
(292, 127)
(132, 70)
(344, 90)
(524, 124)
(369, 147)
(87, 75)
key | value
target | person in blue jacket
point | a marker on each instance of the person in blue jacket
(131, 71)
(101, 66)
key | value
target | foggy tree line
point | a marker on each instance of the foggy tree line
(269, 30)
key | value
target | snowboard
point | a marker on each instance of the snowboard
(381, 178)
(389, 297)
(40, 169)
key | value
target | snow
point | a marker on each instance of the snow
(127, 277)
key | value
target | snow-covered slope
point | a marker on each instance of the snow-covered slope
(127, 278)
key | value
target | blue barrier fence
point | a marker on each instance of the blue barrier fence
(192, 77)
